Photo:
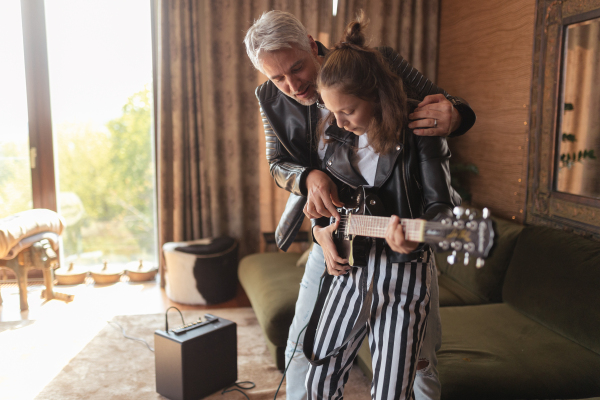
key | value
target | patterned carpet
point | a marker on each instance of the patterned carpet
(113, 367)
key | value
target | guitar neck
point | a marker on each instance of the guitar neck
(370, 226)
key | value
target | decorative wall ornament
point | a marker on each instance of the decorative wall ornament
(564, 183)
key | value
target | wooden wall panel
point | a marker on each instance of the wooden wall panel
(485, 57)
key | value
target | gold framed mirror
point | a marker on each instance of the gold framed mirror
(564, 154)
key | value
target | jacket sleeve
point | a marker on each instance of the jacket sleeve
(418, 86)
(284, 169)
(439, 197)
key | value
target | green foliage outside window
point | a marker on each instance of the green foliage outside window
(111, 171)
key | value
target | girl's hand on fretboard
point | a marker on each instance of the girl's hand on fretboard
(394, 236)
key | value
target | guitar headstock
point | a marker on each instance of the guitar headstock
(469, 231)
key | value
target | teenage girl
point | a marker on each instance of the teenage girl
(366, 142)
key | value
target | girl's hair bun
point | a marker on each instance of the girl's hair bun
(354, 35)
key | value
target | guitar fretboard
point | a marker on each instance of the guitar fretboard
(366, 225)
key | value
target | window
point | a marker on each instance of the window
(15, 170)
(98, 90)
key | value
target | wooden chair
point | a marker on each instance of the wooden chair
(30, 240)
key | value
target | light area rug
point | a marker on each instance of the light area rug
(113, 367)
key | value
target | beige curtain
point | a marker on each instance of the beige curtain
(213, 176)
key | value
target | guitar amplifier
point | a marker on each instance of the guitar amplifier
(196, 360)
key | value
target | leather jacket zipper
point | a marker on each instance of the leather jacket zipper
(406, 186)
(420, 191)
(310, 140)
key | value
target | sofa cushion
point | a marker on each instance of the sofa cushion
(453, 293)
(554, 278)
(492, 351)
(486, 282)
(272, 283)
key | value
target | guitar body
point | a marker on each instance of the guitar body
(356, 202)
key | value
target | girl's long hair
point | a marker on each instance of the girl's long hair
(361, 71)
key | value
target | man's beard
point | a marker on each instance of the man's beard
(310, 101)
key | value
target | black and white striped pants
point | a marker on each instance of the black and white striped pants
(396, 328)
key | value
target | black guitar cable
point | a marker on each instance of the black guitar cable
(296, 346)
(236, 387)
(125, 335)
(167, 320)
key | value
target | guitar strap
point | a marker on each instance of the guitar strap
(361, 320)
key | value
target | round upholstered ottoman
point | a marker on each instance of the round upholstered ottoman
(201, 271)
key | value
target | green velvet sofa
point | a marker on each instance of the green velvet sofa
(525, 326)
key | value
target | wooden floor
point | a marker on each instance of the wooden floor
(123, 298)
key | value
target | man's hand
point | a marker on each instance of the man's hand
(332, 259)
(434, 107)
(322, 197)
(394, 236)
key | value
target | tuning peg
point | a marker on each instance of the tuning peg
(452, 258)
(456, 245)
(466, 260)
(459, 224)
(444, 245)
(480, 263)
(458, 211)
(472, 215)
(469, 247)
(486, 213)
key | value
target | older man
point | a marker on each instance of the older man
(280, 47)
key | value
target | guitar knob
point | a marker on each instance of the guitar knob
(458, 211)
(486, 213)
(460, 224)
(372, 202)
(452, 258)
(456, 245)
(480, 263)
(466, 260)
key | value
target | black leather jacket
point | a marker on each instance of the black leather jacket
(399, 181)
(290, 130)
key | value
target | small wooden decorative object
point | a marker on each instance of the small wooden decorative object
(70, 276)
(142, 273)
(106, 275)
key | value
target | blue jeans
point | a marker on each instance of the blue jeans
(427, 384)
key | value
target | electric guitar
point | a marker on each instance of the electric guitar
(360, 221)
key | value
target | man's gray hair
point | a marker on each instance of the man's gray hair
(275, 30)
